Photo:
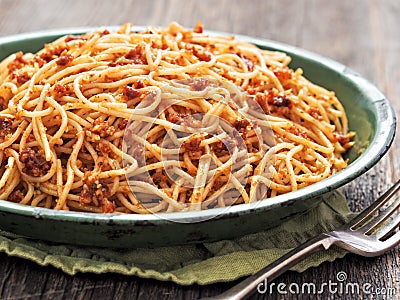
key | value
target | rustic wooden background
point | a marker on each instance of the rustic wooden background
(362, 34)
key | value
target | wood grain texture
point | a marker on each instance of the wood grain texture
(361, 34)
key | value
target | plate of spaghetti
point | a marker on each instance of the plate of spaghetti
(129, 135)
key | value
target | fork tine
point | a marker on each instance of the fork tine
(393, 241)
(371, 226)
(389, 228)
(367, 213)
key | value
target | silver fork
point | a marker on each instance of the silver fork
(371, 233)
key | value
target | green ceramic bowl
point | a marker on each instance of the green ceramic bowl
(369, 113)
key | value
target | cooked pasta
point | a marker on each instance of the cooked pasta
(162, 120)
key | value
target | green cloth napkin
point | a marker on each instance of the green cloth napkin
(203, 263)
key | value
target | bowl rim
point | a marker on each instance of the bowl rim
(380, 144)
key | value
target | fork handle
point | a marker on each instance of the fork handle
(259, 280)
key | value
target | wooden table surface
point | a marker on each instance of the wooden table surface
(364, 35)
